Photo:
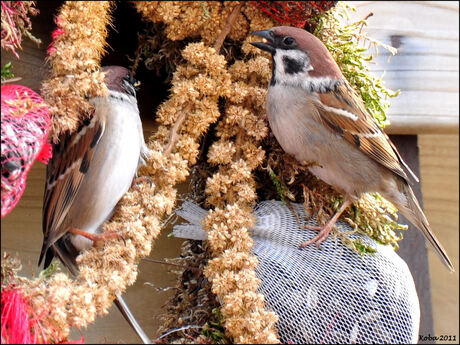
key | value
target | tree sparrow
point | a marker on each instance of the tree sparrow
(317, 117)
(90, 171)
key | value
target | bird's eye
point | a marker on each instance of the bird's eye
(129, 78)
(288, 41)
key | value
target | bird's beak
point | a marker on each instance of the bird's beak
(137, 85)
(267, 43)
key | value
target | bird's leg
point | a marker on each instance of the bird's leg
(326, 229)
(98, 239)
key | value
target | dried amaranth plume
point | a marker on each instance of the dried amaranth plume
(194, 104)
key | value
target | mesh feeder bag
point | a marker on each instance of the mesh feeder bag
(329, 294)
(25, 127)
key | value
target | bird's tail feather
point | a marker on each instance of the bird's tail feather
(413, 212)
(65, 251)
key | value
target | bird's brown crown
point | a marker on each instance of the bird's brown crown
(118, 78)
(321, 59)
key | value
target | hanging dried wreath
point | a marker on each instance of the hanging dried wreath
(207, 87)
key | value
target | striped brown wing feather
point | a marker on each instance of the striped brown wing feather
(64, 175)
(360, 129)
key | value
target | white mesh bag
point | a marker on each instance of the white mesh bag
(329, 294)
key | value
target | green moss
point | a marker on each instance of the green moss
(214, 329)
(53, 268)
(7, 72)
(281, 188)
(358, 245)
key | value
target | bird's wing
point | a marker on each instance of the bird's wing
(343, 112)
(64, 175)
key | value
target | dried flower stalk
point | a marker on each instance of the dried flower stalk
(232, 189)
(74, 55)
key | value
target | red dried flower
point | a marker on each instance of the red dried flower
(296, 13)
(20, 325)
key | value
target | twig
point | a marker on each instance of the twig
(171, 264)
(11, 80)
(370, 14)
(173, 136)
(362, 24)
(227, 27)
(177, 330)
(239, 139)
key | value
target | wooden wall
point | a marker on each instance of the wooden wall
(428, 104)
(426, 66)
(439, 171)
(426, 71)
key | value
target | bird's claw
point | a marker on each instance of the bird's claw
(142, 179)
(108, 235)
(324, 232)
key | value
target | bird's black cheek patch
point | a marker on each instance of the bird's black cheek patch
(292, 66)
(273, 80)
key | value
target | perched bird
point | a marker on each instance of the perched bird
(317, 117)
(89, 173)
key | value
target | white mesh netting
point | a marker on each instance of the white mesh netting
(329, 294)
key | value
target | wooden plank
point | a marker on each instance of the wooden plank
(421, 80)
(439, 165)
(424, 112)
(30, 67)
(411, 18)
(426, 66)
(416, 63)
(425, 103)
(415, 45)
(421, 125)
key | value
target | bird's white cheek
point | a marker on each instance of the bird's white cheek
(289, 76)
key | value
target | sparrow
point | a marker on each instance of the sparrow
(316, 116)
(90, 171)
